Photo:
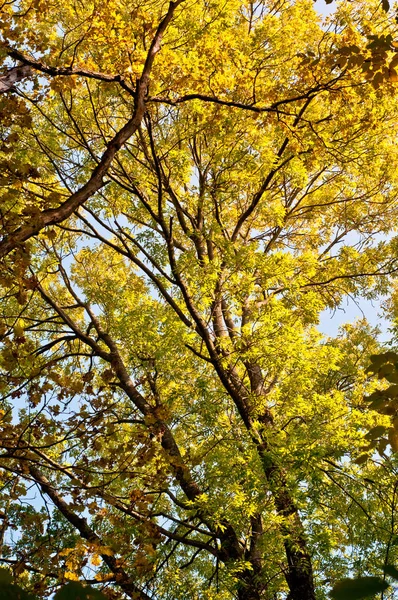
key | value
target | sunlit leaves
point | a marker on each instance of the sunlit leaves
(161, 361)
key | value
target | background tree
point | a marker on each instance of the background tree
(185, 188)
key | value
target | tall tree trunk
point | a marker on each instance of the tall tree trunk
(299, 573)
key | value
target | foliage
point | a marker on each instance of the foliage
(71, 591)
(186, 189)
(355, 589)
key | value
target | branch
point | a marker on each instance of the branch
(16, 563)
(65, 71)
(116, 503)
(378, 273)
(274, 107)
(12, 76)
(257, 197)
(88, 534)
(95, 182)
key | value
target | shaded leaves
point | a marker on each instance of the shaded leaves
(355, 589)
(71, 591)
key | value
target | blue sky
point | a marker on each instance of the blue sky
(323, 8)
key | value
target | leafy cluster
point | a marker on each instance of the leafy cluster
(187, 189)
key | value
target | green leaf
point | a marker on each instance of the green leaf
(385, 370)
(374, 396)
(391, 571)
(5, 576)
(361, 459)
(76, 591)
(10, 591)
(392, 377)
(375, 432)
(384, 357)
(391, 392)
(386, 408)
(382, 446)
(355, 589)
(379, 403)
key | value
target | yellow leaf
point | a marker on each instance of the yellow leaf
(103, 576)
(18, 328)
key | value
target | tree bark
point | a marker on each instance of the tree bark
(12, 76)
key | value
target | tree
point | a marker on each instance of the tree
(185, 188)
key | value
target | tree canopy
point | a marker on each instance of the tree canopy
(185, 188)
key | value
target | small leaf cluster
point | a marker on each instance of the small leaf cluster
(385, 402)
